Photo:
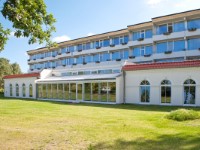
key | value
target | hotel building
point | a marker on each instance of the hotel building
(155, 62)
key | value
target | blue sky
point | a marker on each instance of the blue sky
(79, 18)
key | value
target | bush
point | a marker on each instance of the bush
(183, 114)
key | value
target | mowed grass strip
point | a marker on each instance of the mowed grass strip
(26, 124)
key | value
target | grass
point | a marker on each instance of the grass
(28, 124)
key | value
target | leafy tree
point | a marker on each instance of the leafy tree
(29, 19)
(16, 68)
(7, 69)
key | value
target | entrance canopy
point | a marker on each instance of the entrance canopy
(79, 78)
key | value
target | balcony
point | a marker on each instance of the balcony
(167, 33)
(140, 42)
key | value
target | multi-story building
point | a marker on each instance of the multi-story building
(120, 66)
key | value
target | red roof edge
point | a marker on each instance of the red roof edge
(183, 64)
(27, 75)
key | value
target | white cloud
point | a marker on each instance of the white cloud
(90, 34)
(61, 38)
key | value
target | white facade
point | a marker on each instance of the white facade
(177, 77)
(20, 81)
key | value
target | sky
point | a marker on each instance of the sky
(80, 18)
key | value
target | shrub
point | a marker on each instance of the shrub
(183, 114)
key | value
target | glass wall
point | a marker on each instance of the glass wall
(39, 90)
(111, 91)
(17, 90)
(54, 91)
(49, 92)
(44, 91)
(104, 91)
(178, 26)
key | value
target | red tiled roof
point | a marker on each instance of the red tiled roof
(22, 75)
(184, 64)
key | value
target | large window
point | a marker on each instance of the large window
(23, 90)
(179, 45)
(30, 90)
(195, 23)
(193, 44)
(145, 91)
(189, 91)
(11, 90)
(165, 91)
(95, 91)
(105, 56)
(87, 95)
(178, 26)
(17, 89)
(60, 91)
(111, 91)
(142, 34)
(142, 51)
(115, 55)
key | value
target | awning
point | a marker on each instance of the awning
(80, 77)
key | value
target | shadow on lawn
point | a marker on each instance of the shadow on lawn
(110, 106)
(164, 142)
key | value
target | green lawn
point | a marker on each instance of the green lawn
(26, 124)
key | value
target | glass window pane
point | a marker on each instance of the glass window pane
(126, 39)
(136, 35)
(194, 44)
(115, 55)
(72, 91)
(30, 90)
(194, 23)
(161, 47)
(126, 54)
(60, 91)
(178, 26)
(95, 92)
(105, 56)
(104, 90)
(54, 91)
(111, 91)
(79, 92)
(106, 43)
(49, 93)
(116, 40)
(24, 90)
(136, 51)
(66, 91)
(44, 91)
(39, 90)
(148, 34)
(87, 95)
(179, 45)
(148, 50)
(161, 29)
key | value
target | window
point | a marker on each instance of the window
(179, 26)
(88, 46)
(88, 59)
(193, 44)
(195, 23)
(11, 90)
(64, 62)
(136, 51)
(71, 48)
(145, 91)
(148, 34)
(106, 43)
(165, 91)
(142, 34)
(23, 90)
(63, 50)
(115, 55)
(96, 57)
(189, 91)
(17, 89)
(30, 90)
(161, 47)
(125, 54)
(162, 29)
(116, 41)
(142, 51)
(80, 60)
(105, 57)
(179, 45)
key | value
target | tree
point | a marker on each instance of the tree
(16, 68)
(29, 19)
(7, 69)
